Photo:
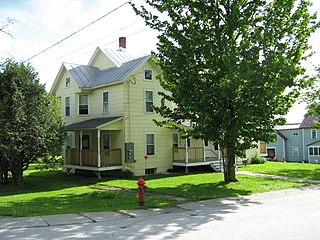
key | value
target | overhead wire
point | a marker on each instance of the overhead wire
(74, 33)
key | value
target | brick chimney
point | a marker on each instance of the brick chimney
(122, 42)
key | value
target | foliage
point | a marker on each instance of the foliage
(257, 160)
(32, 127)
(232, 69)
(126, 174)
(48, 163)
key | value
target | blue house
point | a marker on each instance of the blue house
(296, 142)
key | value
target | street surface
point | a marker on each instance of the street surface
(287, 214)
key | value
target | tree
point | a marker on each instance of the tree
(4, 24)
(31, 123)
(232, 68)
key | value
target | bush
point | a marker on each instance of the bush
(126, 174)
(258, 160)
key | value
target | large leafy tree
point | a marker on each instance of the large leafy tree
(31, 124)
(230, 67)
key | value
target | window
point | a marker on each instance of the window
(150, 171)
(313, 133)
(83, 104)
(85, 141)
(263, 148)
(67, 82)
(295, 134)
(314, 151)
(175, 142)
(148, 96)
(67, 106)
(68, 140)
(106, 141)
(295, 150)
(150, 146)
(105, 103)
(148, 74)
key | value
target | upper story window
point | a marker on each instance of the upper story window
(150, 144)
(68, 83)
(313, 133)
(83, 104)
(67, 103)
(105, 103)
(148, 97)
(295, 134)
(148, 74)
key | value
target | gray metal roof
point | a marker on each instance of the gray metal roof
(91, 123)
(88, 77)
(308, 121)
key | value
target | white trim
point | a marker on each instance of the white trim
(65, 82)
(70, 108)
(98, 145)
(108, 107)
(154, 143)
(293, 151)
(315, 130)
(79, 104)
(144, 74)
(313, 147)
(145, 100)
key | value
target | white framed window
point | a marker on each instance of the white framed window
(314, 134)
(314, 151)
(148, 101)
(148, 74)
(105, 102)
(67, 104)
(150, 144)
(68, 82)
(295, 151)
(83, 104)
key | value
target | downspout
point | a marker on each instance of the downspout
(303, 149)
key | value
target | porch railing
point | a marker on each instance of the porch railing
(195, 154)
(89, 157)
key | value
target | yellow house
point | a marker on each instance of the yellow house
(107, 109)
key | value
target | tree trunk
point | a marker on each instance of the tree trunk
(17, 174)
(3, 171)
(229, 172)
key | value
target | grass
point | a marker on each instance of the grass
(55, 192)
(206, 185)
(47, 193)
(296, 170)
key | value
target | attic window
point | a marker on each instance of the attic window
(148, 74)
(67, 82)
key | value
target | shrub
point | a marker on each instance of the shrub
(126, 174)
(258, 160)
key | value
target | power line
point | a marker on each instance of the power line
(74, 33)
(89, 44)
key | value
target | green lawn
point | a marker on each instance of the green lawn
(297, 170)
(55, 192)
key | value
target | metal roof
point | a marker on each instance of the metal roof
(92, 123)
(88, 77)
(308, 122)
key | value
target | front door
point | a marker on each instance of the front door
(271, 153)
(209, 151)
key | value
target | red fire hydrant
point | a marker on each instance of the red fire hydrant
(141, 188)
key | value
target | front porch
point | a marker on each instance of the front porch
(197, 156)
(94, 145)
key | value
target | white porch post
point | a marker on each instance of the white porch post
(204, 150)
(99, 157)
(187, 155)
(80, 148)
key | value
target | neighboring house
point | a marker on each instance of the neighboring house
(108, 113)
(296, 143)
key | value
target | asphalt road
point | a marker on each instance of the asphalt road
(286, 214)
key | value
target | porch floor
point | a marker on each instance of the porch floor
(97, 170)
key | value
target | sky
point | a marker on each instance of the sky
(39, 24)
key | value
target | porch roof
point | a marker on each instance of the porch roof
(94, 123)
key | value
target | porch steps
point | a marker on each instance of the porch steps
(217, 166)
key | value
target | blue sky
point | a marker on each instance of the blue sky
(41, 23)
